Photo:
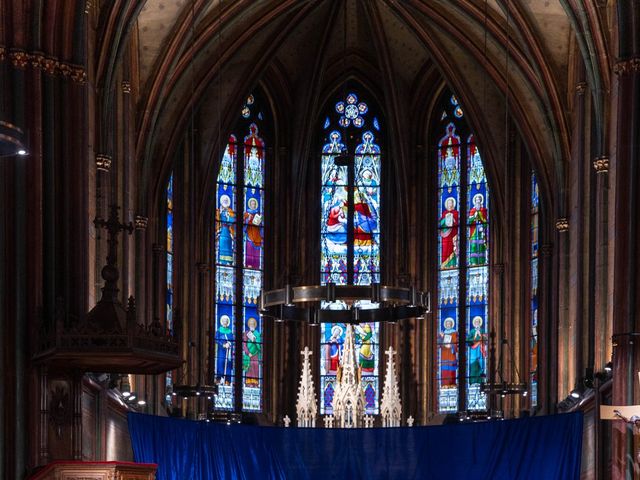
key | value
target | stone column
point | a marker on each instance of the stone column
(625, 201)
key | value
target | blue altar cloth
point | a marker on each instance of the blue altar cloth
(536, 448)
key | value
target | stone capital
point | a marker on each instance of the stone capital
(627, 66)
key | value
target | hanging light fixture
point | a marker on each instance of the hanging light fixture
(201, 389)
(497, 384)
(384, 303)
(11, 140)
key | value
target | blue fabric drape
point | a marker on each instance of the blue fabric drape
(537, 448)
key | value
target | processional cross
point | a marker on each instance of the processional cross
(629, 414)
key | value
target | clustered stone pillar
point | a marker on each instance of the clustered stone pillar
(625, 171)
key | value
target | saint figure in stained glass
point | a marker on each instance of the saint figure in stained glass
(449, 234)
(225, 217)
(224, 351)
(333, 348)
(366, 353)
(476, 339)
(477, 239)
(252, 349)
(253, 237)
(448, 346)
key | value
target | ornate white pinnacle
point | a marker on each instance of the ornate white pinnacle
(368, 421)
(348, 399)
(306, 408)
(328, 421)
(391, 405)
(410, 421)
(286, 420)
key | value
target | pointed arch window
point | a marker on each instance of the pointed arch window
(350, 235)
(169, 278)
(239, 265)
(533, 352)
(463, 263)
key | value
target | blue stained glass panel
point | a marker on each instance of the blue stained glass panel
(533, 352)
(251, 287)
(227, 172)
(363, 253)
(239, 234)
(169, 279)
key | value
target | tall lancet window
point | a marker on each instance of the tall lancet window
(239, 265)
(350, 235)
(463, 263)
(533, 353)
(169, 284)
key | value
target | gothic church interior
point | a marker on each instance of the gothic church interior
(166, 162)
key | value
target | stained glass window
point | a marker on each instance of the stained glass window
(533, 358)
(239, 265)
(169, 285)
(350, 237)
(463, 264)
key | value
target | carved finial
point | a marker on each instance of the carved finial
(306, 353)
(410, 421)
(287, 421)
(126, 86)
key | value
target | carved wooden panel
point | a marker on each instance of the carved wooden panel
(97, 471)
(60, 415)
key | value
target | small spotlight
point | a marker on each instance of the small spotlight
(525, 393)
(126, 394)
(142, 402)
(608, 367)
(22, 151)
(575, 394)
(132, 397)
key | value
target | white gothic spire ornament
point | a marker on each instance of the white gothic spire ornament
(306, 408)
(391, 405)
(348, 400)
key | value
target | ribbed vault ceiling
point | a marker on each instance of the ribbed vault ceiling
(390, 44)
